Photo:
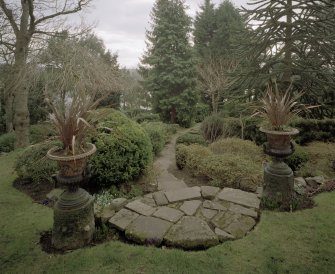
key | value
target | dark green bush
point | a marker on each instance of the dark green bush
(146, 117)
(7, 141)
(191, 138)
(297, 159)
(40, 132)
(158, 135)
(311, 130)
(201, 112)
(123, 153)
(32, 163)
(37, 133)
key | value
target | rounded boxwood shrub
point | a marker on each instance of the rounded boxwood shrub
(123, 152)
(191, 138)
(297, 159)
(33, 164)
(238, 146)
(226, 166)
(7, 141)
(158, 135)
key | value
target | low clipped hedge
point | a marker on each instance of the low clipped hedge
(191, 138)
(33, 164)
(311, 130)
(122, 153)
(158, 134)
(225, 162)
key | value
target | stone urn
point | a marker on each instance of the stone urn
(73, 212)
(278, 176)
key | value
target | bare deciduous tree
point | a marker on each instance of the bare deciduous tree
(216, 78)
(23, 21)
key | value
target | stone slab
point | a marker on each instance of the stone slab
(243, 210)
(141, 208)
(147, 230)
(118, 203)
(190, 207)
(168, 214)
(207, 213)
(190, 233)
(239, 197)
(148, 201)
(238, 228)
(213, 205)
(123, 218)
(106, 214)
(209, 192)
(224, 219)
(183, 194)
(160, 198)
(223, 235)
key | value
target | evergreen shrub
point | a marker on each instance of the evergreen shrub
(297, 159)
(191, 138)
(228, 162)
(33, 164)
(158, 134)
(7, 141)
(123, 152)
(311, 130)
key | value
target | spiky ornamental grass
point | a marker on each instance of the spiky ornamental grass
(75, 84)
(278, 108)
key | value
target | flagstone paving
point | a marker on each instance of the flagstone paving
(191, 217)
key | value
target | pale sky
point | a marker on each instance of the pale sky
(122, 24)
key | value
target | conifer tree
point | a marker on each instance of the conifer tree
(293, 40)
(169, 64)
(204, 30)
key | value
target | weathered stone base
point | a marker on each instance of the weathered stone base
(73, 220)
(278, 185)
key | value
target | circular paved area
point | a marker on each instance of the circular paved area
(188, 218)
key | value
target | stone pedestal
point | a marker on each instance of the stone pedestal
(278, 184)
(73, 219)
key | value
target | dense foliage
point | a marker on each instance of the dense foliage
(285, 44)
(191, 138)
(226, 162)
(158, 134)
(33, 164)
(123, 152)
(168, 65)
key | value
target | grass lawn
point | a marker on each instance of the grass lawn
(301, 242)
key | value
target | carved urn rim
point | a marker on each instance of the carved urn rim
(86, 154)
(290, 131)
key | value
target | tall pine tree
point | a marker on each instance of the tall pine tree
(204, 30)
(168, 63)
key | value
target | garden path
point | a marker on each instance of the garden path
(166, 180)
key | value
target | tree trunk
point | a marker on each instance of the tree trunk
(20, 92)
(9, 112)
